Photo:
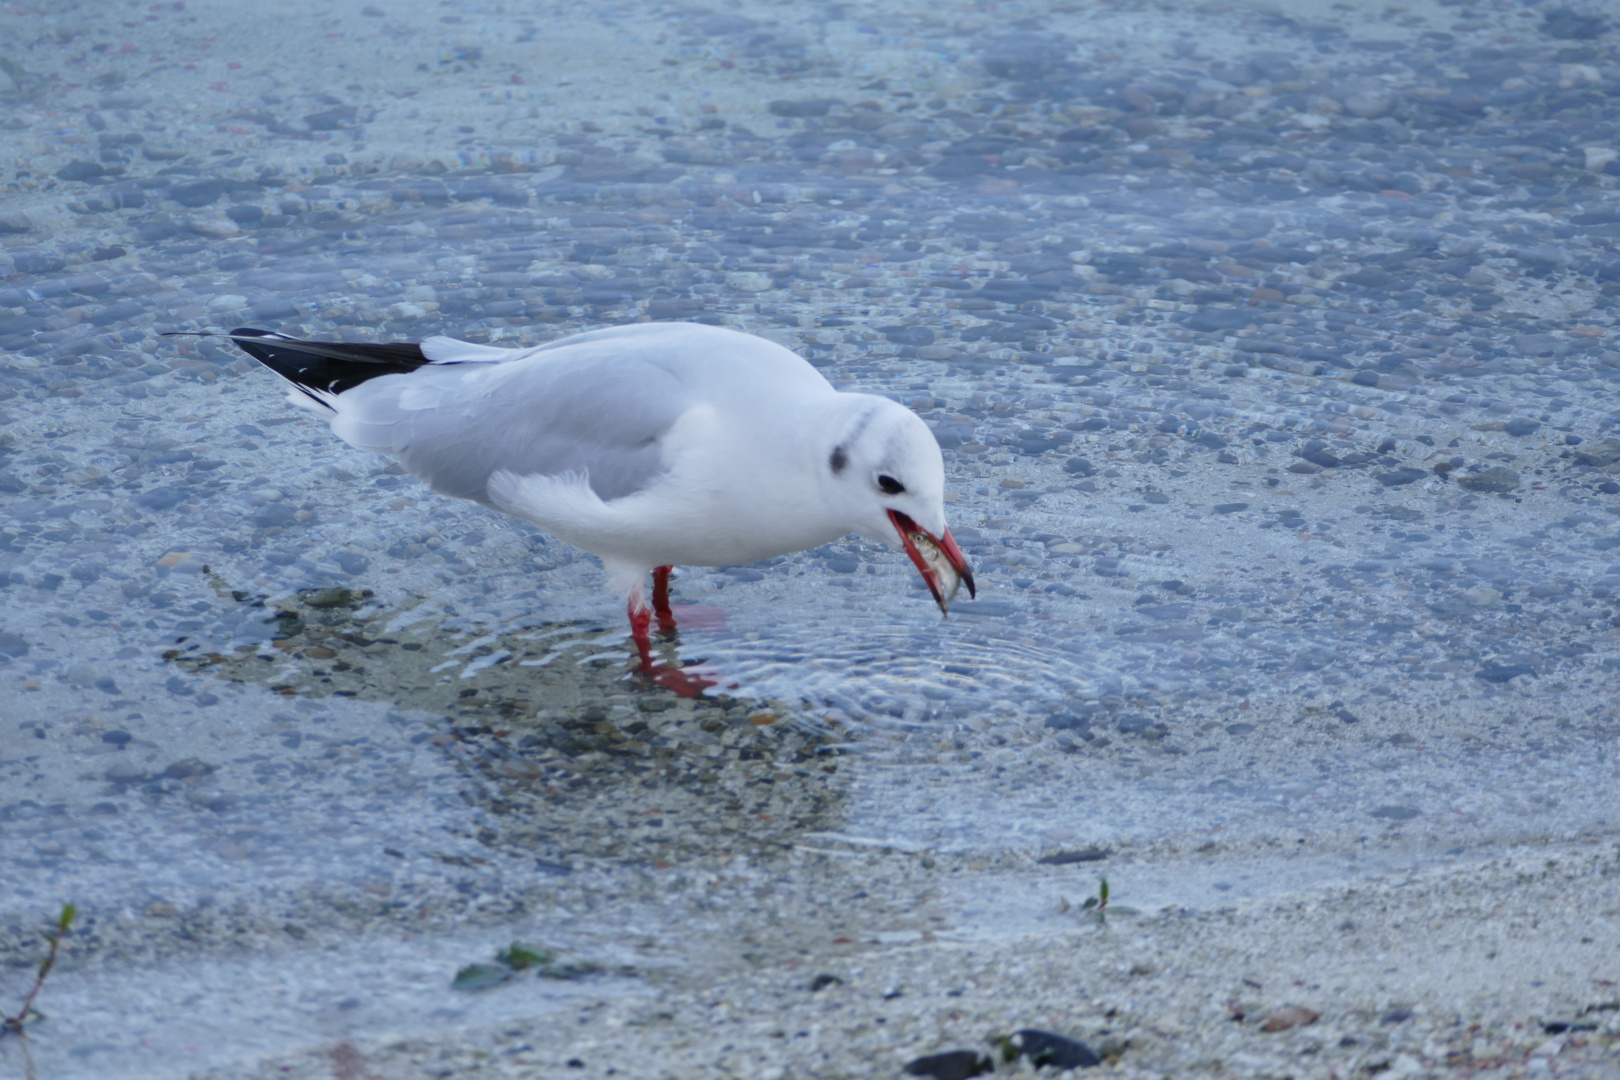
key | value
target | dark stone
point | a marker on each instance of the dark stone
(1371, 278)
(1523, 426)
(1043, 1048)
(1400, 477)
(1064, 858)
(1396, 1016)
(803, 107)
(951, 1065)
(200, 193)
(1230, 508)
(34, 262)
(12, 646)
(1079, 466)
(332, 119)
(822, 981)
(352, 562)
(1498, 478)
(1239, 729)
(117, 738)
(909, 335)
(79, 171)
(188, 768)
(1397, 813)
(1322, 458)
(1504, 673)
(160, 498)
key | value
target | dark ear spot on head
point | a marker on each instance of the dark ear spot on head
(838, 460)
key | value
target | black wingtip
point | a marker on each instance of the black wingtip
(324, 369)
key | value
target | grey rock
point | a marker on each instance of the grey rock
(1497, 478)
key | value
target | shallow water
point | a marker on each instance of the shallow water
(1271, 357)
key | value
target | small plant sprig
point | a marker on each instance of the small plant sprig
(1098, 905)
(58, 932)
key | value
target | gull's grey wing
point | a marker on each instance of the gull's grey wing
(545, 414)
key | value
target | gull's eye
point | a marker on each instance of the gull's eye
(891, 486)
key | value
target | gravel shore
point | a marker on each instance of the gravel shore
(1272, 351)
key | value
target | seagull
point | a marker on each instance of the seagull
(648, 445)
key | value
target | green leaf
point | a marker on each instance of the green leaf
(69, 912)
(480, 976)
(1102, 890)
(519, 956)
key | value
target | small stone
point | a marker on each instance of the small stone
(1400, 477)
(117, 738)
(1480, 596)
(1497, 478)
(951, 1065)
(1066, 858)
(1043, 1048)
(187, 768)
(124, 772)
(12, 646)
(1289, 1016)
(1369, 106)
(79, 171)
(748, 281)
(803, 107)
(1600, 456)
(1504, 673)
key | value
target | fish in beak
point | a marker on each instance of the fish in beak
(943, 566)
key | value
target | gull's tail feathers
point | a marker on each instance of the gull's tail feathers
(322, 370)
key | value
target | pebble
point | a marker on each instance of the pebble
(951, 1065)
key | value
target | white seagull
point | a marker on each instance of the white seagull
(648, 445)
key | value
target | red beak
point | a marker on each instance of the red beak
(927, 559)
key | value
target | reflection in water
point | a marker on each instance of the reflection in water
(574, 749)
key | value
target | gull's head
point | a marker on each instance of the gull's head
(883, 471)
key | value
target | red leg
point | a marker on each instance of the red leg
(684, 683)
(640, 623)
(666, 618)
